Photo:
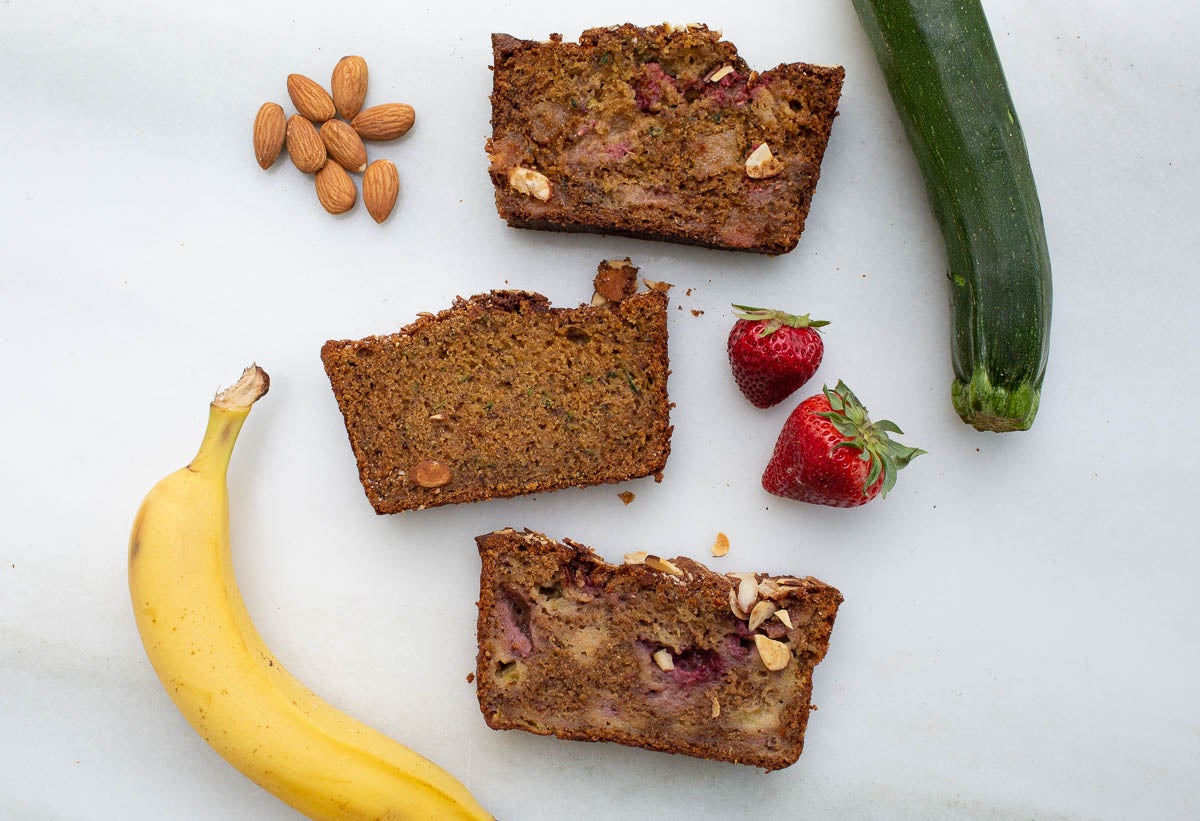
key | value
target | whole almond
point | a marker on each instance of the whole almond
(310, 99)
(349, 85)
(343, 144)
(429, 473)
(384, 122)
(304, 144)
(270, 130)
(335, 188)
(381, 186)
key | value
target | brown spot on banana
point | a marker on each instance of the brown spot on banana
(135, 538)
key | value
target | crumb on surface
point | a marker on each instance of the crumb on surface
(626, 496)
(616, 279)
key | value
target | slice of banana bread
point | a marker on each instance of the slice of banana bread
(665, 655)
(659, 133)
(502, 395)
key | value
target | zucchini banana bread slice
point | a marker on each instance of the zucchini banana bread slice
(665, 655)
(502, 395)
(658, 133)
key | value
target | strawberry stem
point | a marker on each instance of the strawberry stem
(773, 320)
(885, 456)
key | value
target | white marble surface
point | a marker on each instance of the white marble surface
(1019, 637)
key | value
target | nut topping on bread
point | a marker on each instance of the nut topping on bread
(527, 181)
(762, 164)
(747, 592)
(775, 655)
(662, 566)
(761, 612)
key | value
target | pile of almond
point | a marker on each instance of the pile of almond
(326, 137)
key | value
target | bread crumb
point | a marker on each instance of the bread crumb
(721, 545)
(626, 496)
(697, 312)
(470, 678)
(615, 280)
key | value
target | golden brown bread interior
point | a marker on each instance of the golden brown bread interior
(502, 395)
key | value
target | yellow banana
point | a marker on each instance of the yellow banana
(224, 680)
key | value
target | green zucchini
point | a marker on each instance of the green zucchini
(941, 66)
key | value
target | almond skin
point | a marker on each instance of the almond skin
(335, 188)
(384, 122)
(428, 473)
(312, 101)
(343, 145)
(381, 186)
(270, 130)
(349, 85)
(304, 144)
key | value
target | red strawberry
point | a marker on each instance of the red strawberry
(772, 353)
(830, 453)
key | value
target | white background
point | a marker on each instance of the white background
(1019, 637)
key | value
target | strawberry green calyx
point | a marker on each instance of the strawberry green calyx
(885, 456)
(774, 320)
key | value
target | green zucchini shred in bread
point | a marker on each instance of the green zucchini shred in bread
(503, 395)
(646, 132)
(657, 654)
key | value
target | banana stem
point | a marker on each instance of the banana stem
(226, 415)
